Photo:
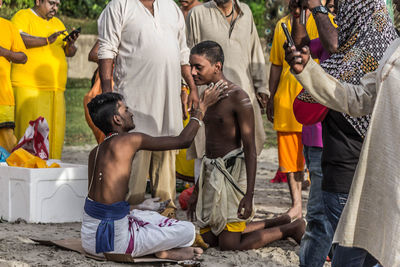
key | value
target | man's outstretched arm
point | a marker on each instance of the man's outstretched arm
(355, 100)
(210, 97)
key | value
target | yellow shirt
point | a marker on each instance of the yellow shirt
(11, 40)
(46, 68)
(288, 88)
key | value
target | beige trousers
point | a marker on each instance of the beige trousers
(159, 166)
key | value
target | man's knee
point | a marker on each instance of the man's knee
(229, 240)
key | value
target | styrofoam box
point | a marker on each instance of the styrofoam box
(51, 195)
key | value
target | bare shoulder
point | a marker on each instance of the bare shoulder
(237, 94)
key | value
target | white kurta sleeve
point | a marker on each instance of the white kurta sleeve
(184, 50)
(110, 25)
(355, 100)
(257, 64)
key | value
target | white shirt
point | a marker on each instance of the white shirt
(149, 52)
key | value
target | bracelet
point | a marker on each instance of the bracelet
(196, 119)
(47, 41)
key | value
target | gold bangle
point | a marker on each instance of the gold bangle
(47, 41)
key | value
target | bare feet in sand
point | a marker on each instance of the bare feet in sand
(180, 254)
(298, 228)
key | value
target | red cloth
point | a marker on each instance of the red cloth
(184, 197)
(308, 113)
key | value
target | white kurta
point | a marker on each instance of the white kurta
(371, 217)
(149, 52)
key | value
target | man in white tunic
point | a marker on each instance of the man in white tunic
(231, 25)
(369, 227)
(146, 41)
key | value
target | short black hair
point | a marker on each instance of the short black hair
(211, 50)
(102, 108)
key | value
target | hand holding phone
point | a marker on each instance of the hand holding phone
(288, 36)
(72, 34)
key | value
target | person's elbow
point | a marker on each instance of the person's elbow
(24, 58)
(21, 59)
(187, 142)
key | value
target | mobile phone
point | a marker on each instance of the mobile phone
(302, 16)
(72, 34)
(288, 36)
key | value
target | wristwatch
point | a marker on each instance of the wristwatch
(319, 9)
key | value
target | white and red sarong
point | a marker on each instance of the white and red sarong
(140, 233)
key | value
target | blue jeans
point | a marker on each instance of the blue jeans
(353, 257)
(344, 256)
(317, 240)
(334, 205)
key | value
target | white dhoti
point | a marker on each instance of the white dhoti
(222, 184)
(140, 233)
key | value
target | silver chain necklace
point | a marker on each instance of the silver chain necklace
(111, 135)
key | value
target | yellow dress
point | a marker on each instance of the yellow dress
(39, 85)
(288, 88)
(11, 40)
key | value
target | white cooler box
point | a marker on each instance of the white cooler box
(53, 195)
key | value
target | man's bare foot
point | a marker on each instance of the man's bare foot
(180, 254)
(295, 213)
(298, 229)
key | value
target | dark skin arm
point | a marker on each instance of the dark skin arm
(14, 57)
(245, 117)
(193, 99)
(105, 71)
(34, 41)
(274, 78)
(299, 33)
(327, 32)
(93, 53)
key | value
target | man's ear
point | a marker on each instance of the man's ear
(117, 120)
(218, 67)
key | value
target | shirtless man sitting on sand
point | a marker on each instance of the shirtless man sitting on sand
(223, 196)
(109, 224)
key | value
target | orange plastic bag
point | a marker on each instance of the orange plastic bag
(22, 158)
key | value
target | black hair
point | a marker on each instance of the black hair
(102, 108)
(211, 50)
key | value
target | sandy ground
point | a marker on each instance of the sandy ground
(270, 200)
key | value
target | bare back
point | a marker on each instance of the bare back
(112, 169)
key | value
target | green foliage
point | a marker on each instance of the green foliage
(71, 8)
(77, 131)
(258, 9)
(83, 8)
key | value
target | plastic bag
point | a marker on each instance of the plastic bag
(3, 154)
(36, 139)
(184, 197)
(22, 158)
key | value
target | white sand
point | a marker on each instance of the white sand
(270, 200)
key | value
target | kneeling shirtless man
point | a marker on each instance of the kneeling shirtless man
(108, 224)
(224, 191)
